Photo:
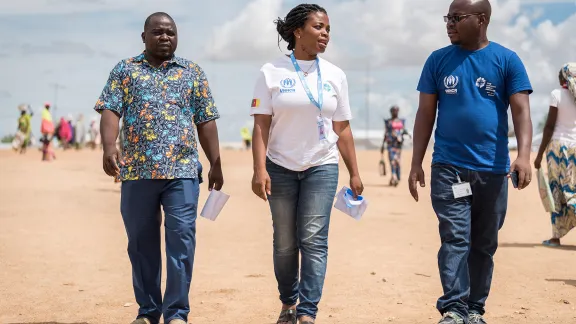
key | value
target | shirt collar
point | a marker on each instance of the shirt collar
(141, 58)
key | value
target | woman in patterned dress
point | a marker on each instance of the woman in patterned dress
(22, 138)
(394, 131)
(559, 143)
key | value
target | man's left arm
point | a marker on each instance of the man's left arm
(205, 115)
(519, 89)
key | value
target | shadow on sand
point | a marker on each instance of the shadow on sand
(115, 190)
(565, 281)
(48, 323)
(533, 245)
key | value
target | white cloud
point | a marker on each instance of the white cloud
(402, 34)
(398, 34)
(10, 7)
(252, 31)
(547, 1)
(252, 35)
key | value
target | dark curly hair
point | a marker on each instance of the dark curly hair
(295, 19)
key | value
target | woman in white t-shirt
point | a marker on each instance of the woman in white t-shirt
(559, 140)
(298, 132)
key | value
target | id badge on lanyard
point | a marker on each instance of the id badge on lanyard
(461, 189)
(321, 130)
(318, 104)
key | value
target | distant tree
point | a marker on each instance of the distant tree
(7, 139)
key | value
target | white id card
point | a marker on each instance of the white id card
(321, 130)
(461, 189)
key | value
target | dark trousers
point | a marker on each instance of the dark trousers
(469, 233)
(140, 205)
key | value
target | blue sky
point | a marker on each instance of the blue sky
(75, 43)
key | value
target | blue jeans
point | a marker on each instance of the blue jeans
(469, 233)
(140, 206)
(301, 203)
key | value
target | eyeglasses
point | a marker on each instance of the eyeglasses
(456, 19)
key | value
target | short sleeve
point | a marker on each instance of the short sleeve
(204, 107)
(112, 97)
(555, 98)
(427, 83)
(343, 111)
(262, 98)
(516, 76)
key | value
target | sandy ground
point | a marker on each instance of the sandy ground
(63, 252)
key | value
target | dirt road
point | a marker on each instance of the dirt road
(63, 252)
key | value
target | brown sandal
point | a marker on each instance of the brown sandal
(288, 316)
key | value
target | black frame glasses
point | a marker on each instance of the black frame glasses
(458, 18)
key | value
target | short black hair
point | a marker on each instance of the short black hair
(295, 19)
(156, 14)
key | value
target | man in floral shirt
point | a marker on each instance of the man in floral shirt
(162, 100)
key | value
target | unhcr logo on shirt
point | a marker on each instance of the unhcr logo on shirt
(287, 85)
(450, 83)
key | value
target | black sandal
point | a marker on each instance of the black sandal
(288, 316)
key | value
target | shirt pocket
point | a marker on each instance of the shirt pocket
(178, 92)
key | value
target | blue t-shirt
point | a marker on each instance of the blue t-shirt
(473, 88)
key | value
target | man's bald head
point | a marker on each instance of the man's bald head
(156, 15)
(467, 22)
(475, 6)
(483, 6)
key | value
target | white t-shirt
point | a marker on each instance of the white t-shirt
(565, 128)
(294, 141)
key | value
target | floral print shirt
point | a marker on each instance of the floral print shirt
(160, 108)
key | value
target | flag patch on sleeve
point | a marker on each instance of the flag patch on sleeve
(255, 103)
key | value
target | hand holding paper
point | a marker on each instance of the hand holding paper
(214, 204)
(346, 203)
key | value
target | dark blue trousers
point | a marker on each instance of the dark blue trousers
(140, 206)
(469, 233)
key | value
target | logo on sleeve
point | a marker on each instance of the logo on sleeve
(450, 83)
(287, 85)
(255, 103)
(327, 87)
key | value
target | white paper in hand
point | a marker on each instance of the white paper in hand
(214, 204)
(346, 203)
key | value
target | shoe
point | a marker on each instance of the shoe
(177, 321)
(451, 318)
(141, 320)
(476, 318)
(550, 244)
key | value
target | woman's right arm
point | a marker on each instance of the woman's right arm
(549, 127)
(547, 135)
(260, 134)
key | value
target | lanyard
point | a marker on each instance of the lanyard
(305, 84)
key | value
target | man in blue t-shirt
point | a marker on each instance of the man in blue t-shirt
(471, 84)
